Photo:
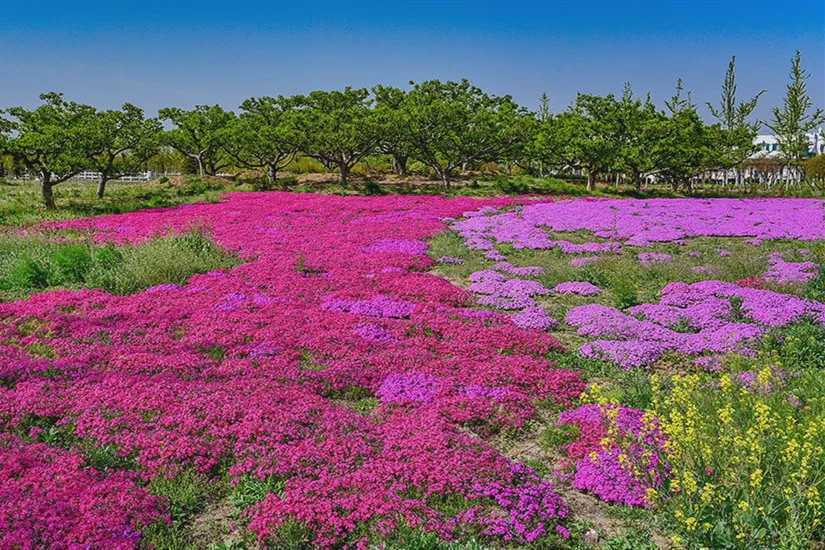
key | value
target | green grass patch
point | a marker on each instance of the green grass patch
(21, 203)
(31, 264)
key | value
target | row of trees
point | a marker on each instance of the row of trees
(446, 126)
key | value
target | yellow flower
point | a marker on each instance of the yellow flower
(756, 478)
(726, 414)
(744, 506)
(691, 523)
(707, 494)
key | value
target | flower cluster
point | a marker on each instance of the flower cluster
(648, 258)
(723, 317)
(783, 272)
(498, 291)
(582, 288)
(49, 499)
(618, 454)
(254, 367)
(643, 222)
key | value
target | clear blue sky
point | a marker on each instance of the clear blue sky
(157, 53)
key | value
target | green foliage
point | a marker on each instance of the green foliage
(795, 118)
(800, 346)
(201, 135)
(250, 490)
(123, 140)
(452, 124)
(684, 145)
(262, 136)
(338, 128)
(54, 141)
(553, 437)
(815, 289)
(187, 494)
(293, 535)
(409, 538)
(630, 540)
(32, 264)
(20, 203)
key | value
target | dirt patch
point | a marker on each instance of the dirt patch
(217, 524)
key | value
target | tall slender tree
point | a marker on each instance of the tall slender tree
(795, 120)
(684, 146)
(738, 132)
(638, 126)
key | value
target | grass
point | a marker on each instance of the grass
(798, 349)
(21, 204)
(33, 263)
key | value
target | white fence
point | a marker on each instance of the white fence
(140, 176)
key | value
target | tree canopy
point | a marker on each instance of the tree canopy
(54, 140)
(201, 135)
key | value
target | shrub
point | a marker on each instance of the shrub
(746, 461)
(29, 265)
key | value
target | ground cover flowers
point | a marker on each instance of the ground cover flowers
(263, 370)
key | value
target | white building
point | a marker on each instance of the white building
(769, 147)
(766, 164)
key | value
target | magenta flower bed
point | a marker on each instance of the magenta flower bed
(215, 371)
(49, 500)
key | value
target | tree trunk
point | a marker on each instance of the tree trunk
(344, 170)
(200, 165)
(101, 185)
(47, 190)
(591, 181)
(445, 178)
(637, 183)
(399, 165)
(272, 173)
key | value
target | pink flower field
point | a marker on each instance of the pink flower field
(336, 361)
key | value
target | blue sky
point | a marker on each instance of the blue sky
(157, 54)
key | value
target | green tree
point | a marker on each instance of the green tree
(454, 124)
(5, 158)
(794, 120)
(390, 110)
(338, 128)
(738, 132)
(547, 143)
(594, 140)
(638, 126)
(684, 146)
(262, 137)
(55, 141)
(125, 140)
(200, 134)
